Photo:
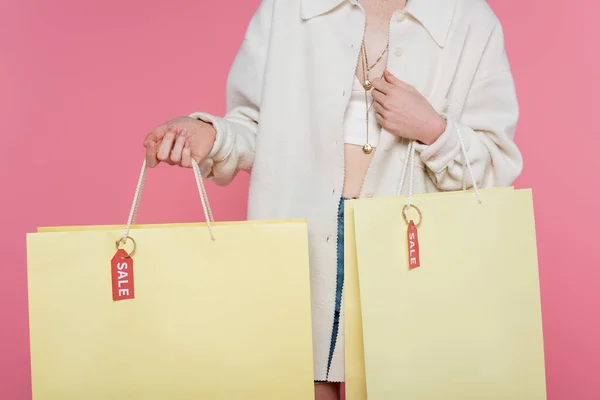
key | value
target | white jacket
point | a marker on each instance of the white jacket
(286, 96)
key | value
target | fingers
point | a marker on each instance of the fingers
(379, 98)
(166, 145)
(150, 138)
(151, 154)
(173, 149)
(380, 119)
(159, 133)
(177, 150)
(151, 143)
(380, 111)
(383, 86)
(186, 156)
(381, 114)
(392, 80)
(173, 141)
(389, 83)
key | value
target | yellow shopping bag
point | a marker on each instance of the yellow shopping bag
(466, 323)
(219, 311)
(356, 385)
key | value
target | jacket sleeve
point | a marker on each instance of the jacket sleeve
(486, 126)
(235, 141)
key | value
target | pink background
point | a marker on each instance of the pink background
(81, 83)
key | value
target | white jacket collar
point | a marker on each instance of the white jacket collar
(434, 15)
(315, 8)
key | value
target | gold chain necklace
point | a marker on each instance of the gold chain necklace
(367, 85)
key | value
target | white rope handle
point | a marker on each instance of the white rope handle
(138, 196)
(468, 163)
(208, 215)
(411, 158)
(405, 168)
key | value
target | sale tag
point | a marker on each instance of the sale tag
(122, 276)
(414, 260)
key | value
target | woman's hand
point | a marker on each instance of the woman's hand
(179, 141)
(403, 111)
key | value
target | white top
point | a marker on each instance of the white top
(355, 121)
(287, 93)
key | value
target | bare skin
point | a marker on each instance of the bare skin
(327, 391)
(378, 14)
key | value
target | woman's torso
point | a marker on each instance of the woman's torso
(301, 162)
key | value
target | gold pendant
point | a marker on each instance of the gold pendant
(367, 85)
(367, 149)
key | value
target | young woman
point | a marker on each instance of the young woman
(323, 100)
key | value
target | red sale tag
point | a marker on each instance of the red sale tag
(122, 276)
(414, 260)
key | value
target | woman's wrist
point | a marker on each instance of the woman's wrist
(438, 128)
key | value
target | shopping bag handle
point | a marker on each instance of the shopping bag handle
(411, 158)
(138, 195)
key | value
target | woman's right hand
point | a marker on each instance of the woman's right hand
(179, 141)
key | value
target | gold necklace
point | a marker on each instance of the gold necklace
(367, 85)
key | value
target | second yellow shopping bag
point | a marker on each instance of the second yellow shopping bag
(202, 311)
(463, 324)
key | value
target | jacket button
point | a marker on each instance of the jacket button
(369, 195)
(400, 17)
(398, 51)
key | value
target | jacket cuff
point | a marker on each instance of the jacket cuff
(444, 150)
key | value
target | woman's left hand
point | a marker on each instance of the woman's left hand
(401, 110)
